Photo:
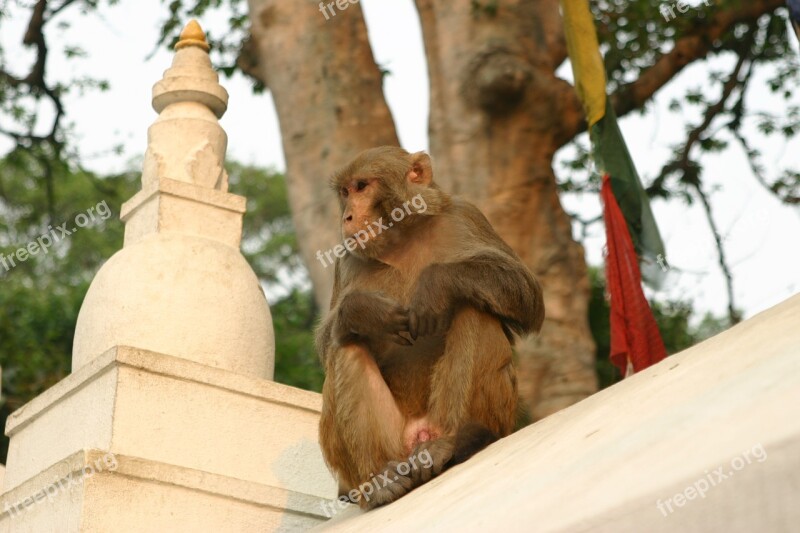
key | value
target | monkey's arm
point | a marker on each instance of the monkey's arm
(484, 273)
(492, 282)
(360, 317)
(323, 337)
(369, 318)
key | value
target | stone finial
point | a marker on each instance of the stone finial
(193, 35)
(186, 142)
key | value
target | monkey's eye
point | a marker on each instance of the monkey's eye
(344, 192)
(361, 185)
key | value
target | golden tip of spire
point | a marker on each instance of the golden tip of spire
(192, 35)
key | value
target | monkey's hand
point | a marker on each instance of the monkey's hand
(431, 308)
(371, 316)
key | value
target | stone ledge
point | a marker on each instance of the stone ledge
(169, 205)
(166, 365)
(76, 512)
(61, 390)
(190, 191)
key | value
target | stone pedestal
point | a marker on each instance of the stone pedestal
(141, 441)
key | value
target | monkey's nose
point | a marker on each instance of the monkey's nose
(348, 218)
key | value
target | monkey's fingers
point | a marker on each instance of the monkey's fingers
(399, 321)
(421, 324)
(402, 482)
(399, 339)
(439, 452)
(428, 325)
(422, 474)
(413, 324)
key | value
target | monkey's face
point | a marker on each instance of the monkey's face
(358, 199)
(382, 193)
(363, 216)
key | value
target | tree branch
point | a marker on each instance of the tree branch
(733, 313)
(691, 174)
(758, 173)
(684, 163)
(48, 147)
(694, 45)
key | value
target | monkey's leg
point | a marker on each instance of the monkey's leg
(473, 401)
(361, 426)
(474, 383)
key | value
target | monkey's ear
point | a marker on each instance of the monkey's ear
(421, 172)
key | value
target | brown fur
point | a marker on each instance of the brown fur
(416, 346)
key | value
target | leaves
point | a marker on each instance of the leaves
(226, 45)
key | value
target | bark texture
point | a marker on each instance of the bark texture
(497, 119)
(329, 99)
(498, 115)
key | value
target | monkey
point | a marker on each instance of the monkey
(417, 343)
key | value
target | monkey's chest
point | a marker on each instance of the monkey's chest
(392, 283)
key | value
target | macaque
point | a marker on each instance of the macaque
(417, 346)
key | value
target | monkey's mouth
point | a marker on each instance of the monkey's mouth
(359, 240)
(371, 231)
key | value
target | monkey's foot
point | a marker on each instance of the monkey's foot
(394, 482)
(431, 458)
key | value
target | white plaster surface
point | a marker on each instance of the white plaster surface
(182, 295)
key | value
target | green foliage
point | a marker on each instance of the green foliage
(40, 297)
(268, 241)
(270, 245)
(36, 337)
(296, 361)
(635, 34)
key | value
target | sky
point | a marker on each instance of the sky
(760, 233)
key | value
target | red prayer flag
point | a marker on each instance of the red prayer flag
(635, 340)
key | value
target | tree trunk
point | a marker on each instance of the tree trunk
(498, 115)
(329, 99)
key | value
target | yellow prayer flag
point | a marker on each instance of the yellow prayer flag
(584, 52)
